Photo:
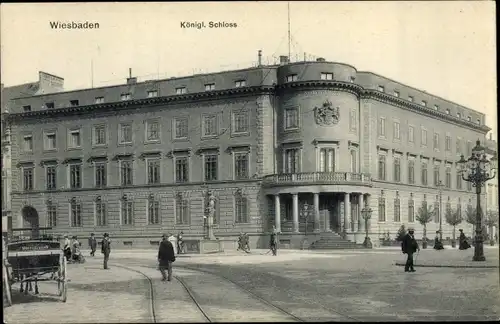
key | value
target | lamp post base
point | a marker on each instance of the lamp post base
(478, 252)
(367, 243)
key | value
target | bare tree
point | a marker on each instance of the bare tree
(453, 217)
(424, 215)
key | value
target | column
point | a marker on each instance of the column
(295, 212)
(347, 213)
(355, 216)
(277, 213)
(316, 212)
(361, 227)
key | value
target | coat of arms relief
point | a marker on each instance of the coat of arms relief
(326, 114)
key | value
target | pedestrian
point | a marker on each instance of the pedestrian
(92, 244)
(274, 241)
(246, 245)
(75, 249)
(67, 247)
(409, 246)
(438, 245)
(166, 255)
(180, 243)
(462, 241)
(106, 249)
(240, 242)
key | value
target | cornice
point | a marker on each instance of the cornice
(321, 85)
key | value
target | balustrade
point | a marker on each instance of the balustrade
(319, 177)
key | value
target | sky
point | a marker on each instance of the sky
(447, 48)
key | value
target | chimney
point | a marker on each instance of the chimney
(130, 79)
(320, 59)
(283, 59)
(260, 57)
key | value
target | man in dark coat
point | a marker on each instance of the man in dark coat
(409, 246)
(166, 255)
(92, 244)
(106, 249)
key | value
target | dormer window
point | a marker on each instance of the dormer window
(381, 88)
(478, 121)
(436, 107)
(291, 78)
(424, 103)
(181, 90)
(326, 76)
(73, 103)
(459, 116)
(49, 105)
(27, 108)
(468, 118)
(210, 87)
(125, 96)
(396, 93)
(152, 93)
(240, 83)
(99, 100)
(447, 111)
(410, 98)
(353, 79)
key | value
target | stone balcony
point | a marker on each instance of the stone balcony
(318, 178)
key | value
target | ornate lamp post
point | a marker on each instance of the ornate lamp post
(477, 169)
(305, 215)
(366, 212)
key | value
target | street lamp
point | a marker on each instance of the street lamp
(305, 216)
(366, 212)
(477, 170)
(440, 186)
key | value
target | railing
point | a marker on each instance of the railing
(318, 178)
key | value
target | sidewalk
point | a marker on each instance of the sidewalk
(454, 258)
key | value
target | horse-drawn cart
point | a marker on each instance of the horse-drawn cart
(32, 259)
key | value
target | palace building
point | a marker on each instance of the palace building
(303, 146)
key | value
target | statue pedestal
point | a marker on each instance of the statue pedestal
(210, 246)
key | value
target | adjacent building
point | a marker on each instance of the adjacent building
(491, 148)
(284, 145)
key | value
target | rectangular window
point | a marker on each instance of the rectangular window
(411, 211)
(353, 160)
(152, 93)
(28, 143)
(99, 100)
(448, 177)
(353, 122)
(469, 148)
(76, 214)
(397, 210)
(459, 181)
(291, 118)
(241, 209)
(50, 141)
(125, 133)
(240, 83)
(181, 210)
(181, 169)
(411, 134)
(458, 146)
(381, 167)
(126, 173)
(100, 135)
(74, 139)
(411, 172)
(292, 157)
(424, 103)
(381, 88)
(75, 176)
(209, 86)
(381, 209)
(240, 122)
(125, 96)
(153, 212)
(100, 175)
(436, 141)
(396, 93)
(127, 212)
(326, 76)
(27, 108)
(50, 105)
(436, 175)
(397, 170)
(291, 78)
(381, 126)
(210, 127)
(153, 171)
(51, 215)
(448, 143)
(153, 130)
(180, 128)
(51, 177)
(241, 166)
(327, 160)
(424, 137)
(424, 174)
(210, 167)
(180, 90)
(28, 179)
(100, 214)
(397, 133)
(73, 103)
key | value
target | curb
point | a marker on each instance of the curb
(450, 266)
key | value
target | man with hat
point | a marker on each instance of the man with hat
(166, 255)
(409, 246)
(106, 249)
(92, 244)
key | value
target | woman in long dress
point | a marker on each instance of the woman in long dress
(462, 241)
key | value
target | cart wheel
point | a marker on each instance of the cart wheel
(7, 285)
(62, 280)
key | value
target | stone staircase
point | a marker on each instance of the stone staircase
(333, 241)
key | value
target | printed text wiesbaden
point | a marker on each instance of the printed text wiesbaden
(74, 25)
